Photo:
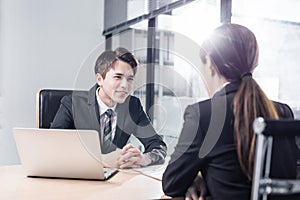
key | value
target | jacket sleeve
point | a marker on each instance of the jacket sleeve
(185, 162)
(64, 117)
(154, 145)
(284, 110)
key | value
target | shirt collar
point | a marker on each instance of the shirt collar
(102, 106)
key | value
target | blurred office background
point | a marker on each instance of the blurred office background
(54, 43)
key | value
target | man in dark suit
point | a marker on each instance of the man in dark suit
(109, 108)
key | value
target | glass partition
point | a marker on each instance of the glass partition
(180, 35)
(177, 77)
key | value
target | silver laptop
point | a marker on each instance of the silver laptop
(61, 153)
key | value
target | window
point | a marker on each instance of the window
(277, 29)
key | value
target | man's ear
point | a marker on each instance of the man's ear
(99, 79)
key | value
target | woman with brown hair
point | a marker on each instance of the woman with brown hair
(217, 139)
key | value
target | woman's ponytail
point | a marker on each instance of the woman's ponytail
(249, 103)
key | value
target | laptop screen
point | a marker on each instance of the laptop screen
(60, 153)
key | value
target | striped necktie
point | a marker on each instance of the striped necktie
(107, 131)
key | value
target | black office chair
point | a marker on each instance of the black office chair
(262, 184)
(47, 104)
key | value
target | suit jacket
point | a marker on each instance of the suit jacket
(81, 111)
(207, 144)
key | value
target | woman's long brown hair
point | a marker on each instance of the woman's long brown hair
(249, 103)
(234, 51)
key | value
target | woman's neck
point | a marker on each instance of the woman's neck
(218, 83)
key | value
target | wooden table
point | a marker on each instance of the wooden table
(15, 185)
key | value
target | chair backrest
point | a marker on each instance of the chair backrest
(47, 104)
(262, 184)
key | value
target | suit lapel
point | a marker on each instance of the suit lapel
(120, 122)
(94, 109)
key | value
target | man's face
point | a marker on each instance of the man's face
(117, 84)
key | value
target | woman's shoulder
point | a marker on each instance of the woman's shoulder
(198, 107)
(283, 109)
(206, 104)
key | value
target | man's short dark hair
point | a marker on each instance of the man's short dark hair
(106, 60)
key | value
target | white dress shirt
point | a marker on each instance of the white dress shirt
(102, 110)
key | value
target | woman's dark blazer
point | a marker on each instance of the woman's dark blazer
(81, 111)
(207, 144)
